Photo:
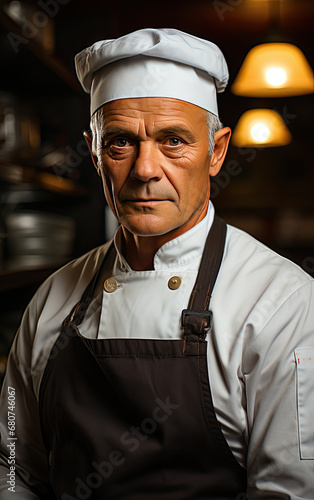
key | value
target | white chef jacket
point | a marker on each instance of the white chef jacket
(260, 352)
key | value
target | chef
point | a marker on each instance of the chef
(176, 361)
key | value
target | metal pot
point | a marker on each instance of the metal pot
(38, 237)
(19, 129)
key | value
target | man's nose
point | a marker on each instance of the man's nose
(147, 165)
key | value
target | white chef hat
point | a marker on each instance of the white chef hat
(153, 63)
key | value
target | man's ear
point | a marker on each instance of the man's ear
(89, 141)
(222, 138)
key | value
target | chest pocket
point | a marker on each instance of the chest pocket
(305, 396)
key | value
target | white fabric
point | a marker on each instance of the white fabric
(305, 393)
(262, 312)
(153, 63)
(139, 290)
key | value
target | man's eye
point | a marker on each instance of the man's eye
(120, 142)
(174, 141)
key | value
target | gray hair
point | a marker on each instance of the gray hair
(213, 124)
(97, 125)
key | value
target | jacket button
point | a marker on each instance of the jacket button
(174, 282)
(110, 285)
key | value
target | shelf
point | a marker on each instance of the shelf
(19, 174)
(18, 278)
(49, 60)
(246, 196)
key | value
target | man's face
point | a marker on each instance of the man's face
(155, 165)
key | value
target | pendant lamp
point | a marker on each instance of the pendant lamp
(274, 70)
(260, 128)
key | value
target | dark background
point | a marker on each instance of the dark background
(268, 192)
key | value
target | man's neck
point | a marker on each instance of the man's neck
(139, 251)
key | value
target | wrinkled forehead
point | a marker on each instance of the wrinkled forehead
(150, 109)
(155, 117)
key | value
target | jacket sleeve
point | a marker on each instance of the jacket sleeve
(23, 462)
(279, 381)
(40, 328)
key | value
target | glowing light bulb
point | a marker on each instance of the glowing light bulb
(260, 132)
(276, 76)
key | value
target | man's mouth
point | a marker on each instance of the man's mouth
(145, 201)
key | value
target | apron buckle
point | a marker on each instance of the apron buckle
(196, 322)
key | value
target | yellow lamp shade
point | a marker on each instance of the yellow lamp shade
(260, 128)
(274, 70)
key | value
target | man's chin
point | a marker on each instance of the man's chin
(146, 225)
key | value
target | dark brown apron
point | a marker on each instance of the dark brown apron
(133, 419)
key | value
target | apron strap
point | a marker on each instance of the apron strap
(77, 314)
(197, 318)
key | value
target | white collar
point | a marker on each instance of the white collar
(177, 252)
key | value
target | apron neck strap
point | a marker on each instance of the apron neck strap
(197, 318)
(77, 314)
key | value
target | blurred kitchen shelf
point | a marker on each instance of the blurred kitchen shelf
(244, 197)
(18, 174)
(49, 60)
(17, 278)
